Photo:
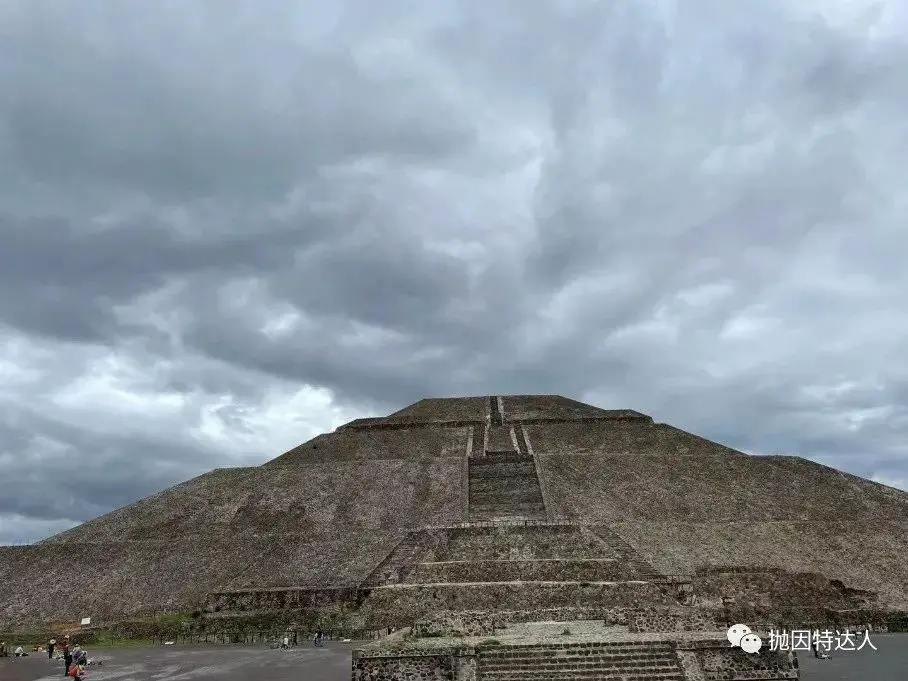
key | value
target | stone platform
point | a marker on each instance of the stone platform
(569, 651)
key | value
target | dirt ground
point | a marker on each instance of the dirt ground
(182, 663)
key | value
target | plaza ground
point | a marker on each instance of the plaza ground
(333, 663)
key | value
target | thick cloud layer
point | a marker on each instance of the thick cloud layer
(226, 227)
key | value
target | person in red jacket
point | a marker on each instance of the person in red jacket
(75, 671)
(67, 655)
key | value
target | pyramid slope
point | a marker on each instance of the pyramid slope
(341, 508)
(320, 501)
(434, 410)
(705, 488)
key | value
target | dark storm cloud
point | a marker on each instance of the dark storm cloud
(227, 226)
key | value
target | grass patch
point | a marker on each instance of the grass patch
(109, 641)
(897, 622)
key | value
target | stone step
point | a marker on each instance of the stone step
(593, 648)
(500, 440)
(525, 512)
(496, 467)
(609, 665)
(610, 647)
(499, 484)
(507, 498)
(632, 658)
(641, 674)
(495, 504)
(577, 672)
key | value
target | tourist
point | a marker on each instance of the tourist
(50, 648)
(79, 657)
(75, 671)
(67, 655)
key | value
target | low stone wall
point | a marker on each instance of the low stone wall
(401, 606)
(482, 623)
(577, 570)
(442, 664)
(672, 619)
(712, 661)
(458, 624)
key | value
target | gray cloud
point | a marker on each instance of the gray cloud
(225, 228)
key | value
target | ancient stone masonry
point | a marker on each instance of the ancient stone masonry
(398, 564)
(503, 482)
(715, 660)
(499, 511)
(504, 486)
(624, 660)
(626, 553)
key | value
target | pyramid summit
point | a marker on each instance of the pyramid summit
(527, 505)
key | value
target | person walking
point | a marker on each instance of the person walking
(50, 648)
(67, 655)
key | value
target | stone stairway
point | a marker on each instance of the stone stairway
(500, 441)
(624, 551)
(495, 416)
(522, 446)
(612, 661)
(504, 486)
(400, 562)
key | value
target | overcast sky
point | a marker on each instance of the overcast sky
(226, 227)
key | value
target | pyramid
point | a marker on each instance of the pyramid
(525, 503)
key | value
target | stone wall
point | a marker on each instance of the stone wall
(713, 661)
(454, 664)
(402, 605)
(699, 660)
(279, 599)
(484, 623)
(506, 543)
(576, 570)
(672, 619)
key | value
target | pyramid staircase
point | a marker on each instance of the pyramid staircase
(502, 481)
(612, 661)
(398, 564)
(625, 553)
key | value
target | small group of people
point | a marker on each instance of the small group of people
(18, 652)
(287, 642)
(74, 659)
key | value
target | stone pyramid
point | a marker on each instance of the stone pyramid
(517, 504)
